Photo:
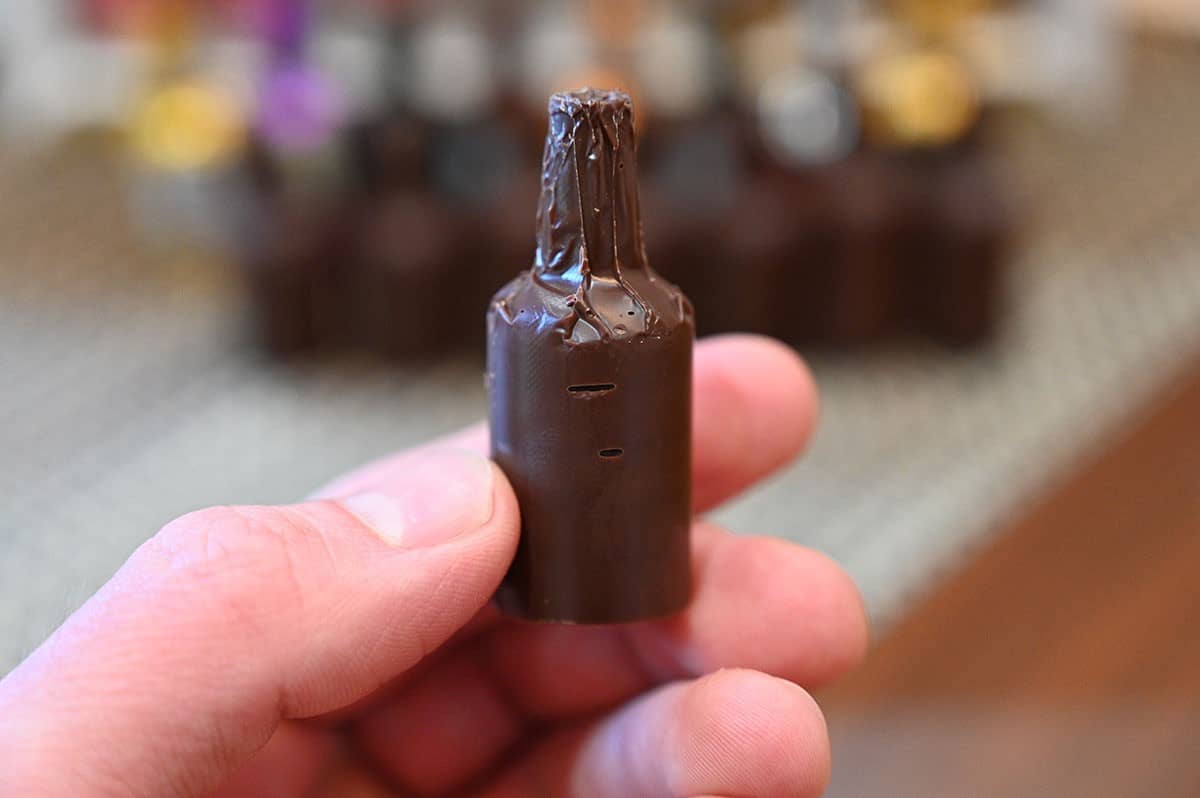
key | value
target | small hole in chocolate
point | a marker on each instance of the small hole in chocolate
(599, 387)
(610, 453)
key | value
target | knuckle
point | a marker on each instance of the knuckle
(236, 558)
(213, 542)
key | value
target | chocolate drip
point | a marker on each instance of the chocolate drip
(590, 270)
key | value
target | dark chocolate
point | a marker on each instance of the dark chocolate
(589, 376)
(690, 207)
(405, 281)
(963, 275)
(390, 152)
(503, 249)
(296, 273)
(861, 286)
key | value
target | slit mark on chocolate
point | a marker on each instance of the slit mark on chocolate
(599, 387)
(611, 453)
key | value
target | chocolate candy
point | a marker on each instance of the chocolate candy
(690, 208)
(295, 274)
(757, 253)
(589, 376)
(861, 287)
(389, 152)
(964, 271)
(406, 252)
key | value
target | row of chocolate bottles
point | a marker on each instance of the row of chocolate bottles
(870, 246)
(819, 181)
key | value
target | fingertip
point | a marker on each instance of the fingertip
(755, 409)
(793, 390)
(802, 619)
(847, 628)
(506, 516)
(291, 763)
(743, 732)
(758, 363)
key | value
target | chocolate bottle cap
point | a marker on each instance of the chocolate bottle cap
(406, 280)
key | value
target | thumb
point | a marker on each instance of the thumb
(234, 618)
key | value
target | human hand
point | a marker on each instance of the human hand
(346, 646)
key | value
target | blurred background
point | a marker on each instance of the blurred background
(248, 244)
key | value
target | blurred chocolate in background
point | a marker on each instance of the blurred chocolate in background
(815, 170)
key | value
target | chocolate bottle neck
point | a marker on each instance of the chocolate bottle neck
(589, 222)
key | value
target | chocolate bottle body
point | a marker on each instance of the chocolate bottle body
(589, 376)
(602, 474)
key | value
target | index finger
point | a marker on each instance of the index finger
(753, 411)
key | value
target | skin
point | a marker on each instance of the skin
(346, 646)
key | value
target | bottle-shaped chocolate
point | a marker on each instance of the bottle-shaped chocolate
(963, 274)
(589, 375)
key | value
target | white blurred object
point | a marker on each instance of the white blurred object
(833, 29)
(454, 69)
(176, 212)
(675, 65)
(1066, 56)
(1080, 58)
(1167, 16)
(353, 55)
(30, 24)
(233, 64)
(554, 44)
(804, 117)
(73, 81)
(996, 47)
(766, 48)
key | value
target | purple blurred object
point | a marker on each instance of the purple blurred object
(299, 108)
(284, 24)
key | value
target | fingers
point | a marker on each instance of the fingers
(754, 408)
(233, 618)
(734, 732)
(444, 729)
(760, 603)
(291, 764)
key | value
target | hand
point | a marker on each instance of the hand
(346, 646)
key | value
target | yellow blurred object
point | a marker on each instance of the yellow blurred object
(938, 17)
(614, 22)
(187, 126)
(735, 18)
(919, 97)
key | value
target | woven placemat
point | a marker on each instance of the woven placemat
(130, 394)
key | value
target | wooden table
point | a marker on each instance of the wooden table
(1065, 659)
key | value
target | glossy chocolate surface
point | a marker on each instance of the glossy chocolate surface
(589, 375)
